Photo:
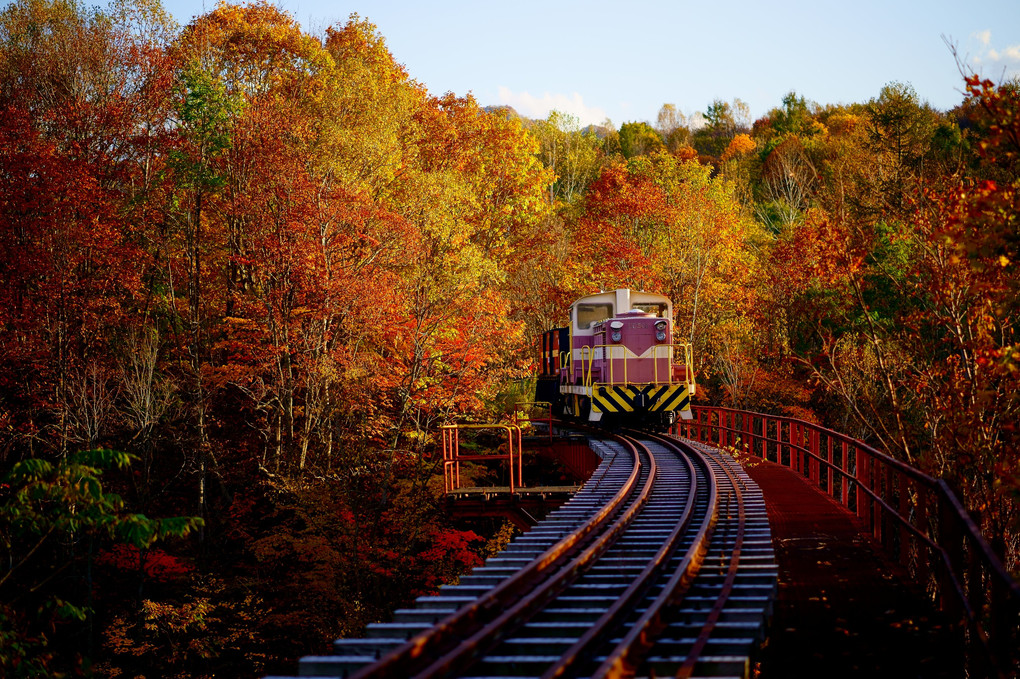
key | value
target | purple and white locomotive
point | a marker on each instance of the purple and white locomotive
(617, 357)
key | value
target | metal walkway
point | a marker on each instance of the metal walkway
(841, 610)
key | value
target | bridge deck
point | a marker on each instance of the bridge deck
(841, 610)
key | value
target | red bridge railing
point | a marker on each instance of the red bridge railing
(452, 457)
(916, 519)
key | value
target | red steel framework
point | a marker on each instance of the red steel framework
(576, 455)
(546, 418)
(915, 518)
(452, 456)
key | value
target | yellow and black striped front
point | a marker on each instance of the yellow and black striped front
(640, 398)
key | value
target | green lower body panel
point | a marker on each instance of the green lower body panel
(649, 398)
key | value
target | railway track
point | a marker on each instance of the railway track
(661, 565)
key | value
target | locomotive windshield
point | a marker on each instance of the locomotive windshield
(657, 309)
(592, 313)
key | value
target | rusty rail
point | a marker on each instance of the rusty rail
(417, 656)
(627, 655)
(530, 601)
(916, 519)
(562, 609)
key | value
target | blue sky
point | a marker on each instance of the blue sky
(623, 60)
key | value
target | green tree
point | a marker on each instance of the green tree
(205, 115)
(638, 139)
(901, 131)
(794, 117)
(723, 121)
(53, 518)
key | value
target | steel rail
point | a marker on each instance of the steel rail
(471, 649)
(635, 645)
(687, 669)
(659, 562)
(416, 656)
(640, 585)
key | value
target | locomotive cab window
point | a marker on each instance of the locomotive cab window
(592, 313)
(655, 308)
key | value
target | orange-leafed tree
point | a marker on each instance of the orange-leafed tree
(81, 94)
(662, 223)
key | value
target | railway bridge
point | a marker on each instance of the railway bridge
(739, 545)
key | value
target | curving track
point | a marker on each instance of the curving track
(661, 565)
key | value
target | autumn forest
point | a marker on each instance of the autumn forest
(247, 272)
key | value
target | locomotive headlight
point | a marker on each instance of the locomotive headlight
(660, 335)
(617, 331)
(660, 330)
(616, 335)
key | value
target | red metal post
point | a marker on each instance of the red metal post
(802, 457)
(446, 470)
(904, 507)
(858, 476)
(829, 469)
(510, 454)
(760, 440)
(749, 433)
(790, 461)
(798, 435)
(861, 473)
(817, 449)
(812, 451)
(878, 509)
(844, 490)
(804, 461)
(869, 476)
(779, 441)
(791, 437)
(520, 457)
(888, 494)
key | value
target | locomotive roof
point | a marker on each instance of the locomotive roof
(592, 308)
(624, 298)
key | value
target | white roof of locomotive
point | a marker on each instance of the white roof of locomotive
(623, 300)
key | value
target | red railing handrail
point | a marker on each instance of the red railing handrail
(452, 456)
(544, 405)
(892, 461)
(979, 587)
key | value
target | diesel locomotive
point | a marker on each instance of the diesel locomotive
(616, 362)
